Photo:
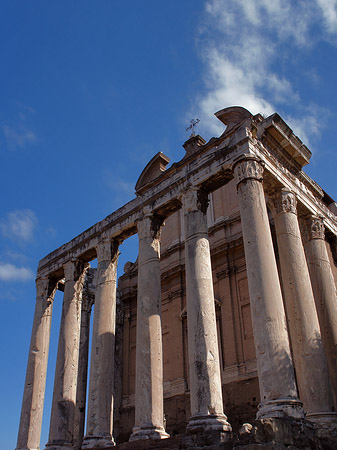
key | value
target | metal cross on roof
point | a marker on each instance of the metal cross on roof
(193, 123)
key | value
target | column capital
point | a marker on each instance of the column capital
(248, 167)
(149, 225)
(107, 249)
(73, 269)
(282, 201)
(315, 227)
(45, 287)
(195, 199)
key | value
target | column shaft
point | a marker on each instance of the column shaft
(324, 293)
(100, 399)
(34, 390)
(61, 432)
(82, 377)
(149, 415)
(308, 353)
(205, 379)
(274, 363)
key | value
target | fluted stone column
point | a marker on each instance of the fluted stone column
(82, 377)
(205, 379)
(34, 390)
(308, 354)
(100, 398)
(278, 389)
(61, 432)
(149, 415)
(324, 289)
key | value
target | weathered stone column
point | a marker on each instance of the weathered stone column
(61, 432)
(308, 354)
(149, 415)
(34, 390)
(278, 389)
(205, 379)
(82, 376)
(100, 398)
(324, 289)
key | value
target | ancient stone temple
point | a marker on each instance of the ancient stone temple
(223, 332)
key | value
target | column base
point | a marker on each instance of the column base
(325, 423)
(139, 433)
(97, 442)
(214, 422)
(281, 407)
(205, 431)
(26, 448)
(59, 446)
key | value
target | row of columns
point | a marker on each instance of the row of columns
(283, 318)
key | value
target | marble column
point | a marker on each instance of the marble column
(34, 390)
(61, 431)
(100, 398)
(324, 289)
(308, 354)
(82, 376)
(278, 388)
(149, 415)
(203, 353)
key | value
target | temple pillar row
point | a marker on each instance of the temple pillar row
(278, 390)
(149, 402)
(34, 390)
(304, 330)
(62, 421)
(324, 290)
(100, 397)
(204, 367)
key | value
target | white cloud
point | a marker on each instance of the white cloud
(245, 45)
(329, 11)
(9, 272)
(19, 224)
(19, 136)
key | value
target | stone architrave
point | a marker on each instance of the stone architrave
(308, 354)
(34, 390)
(276, 375)
(149, 412)
(324, 289)
(100, 397)
(204, 366)
(61, 431)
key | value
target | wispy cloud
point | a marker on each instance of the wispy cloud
(9, 272)
(245, 45)
(19, 224)
(20, 132)
(18, 136)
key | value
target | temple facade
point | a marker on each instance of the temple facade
(227, 319)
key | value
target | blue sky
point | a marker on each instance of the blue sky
(91, 90)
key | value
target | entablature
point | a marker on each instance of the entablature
(208, 167)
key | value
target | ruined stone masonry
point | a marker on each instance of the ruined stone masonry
(223, 333)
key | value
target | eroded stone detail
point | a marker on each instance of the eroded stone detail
(283, 201)
(248, 168)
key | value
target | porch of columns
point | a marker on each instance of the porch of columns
(324, 289)
(34, 390)
(278, 390)
(100, 398)
(308, 354)
(149, 410)
(203, 353)
(61, 431)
